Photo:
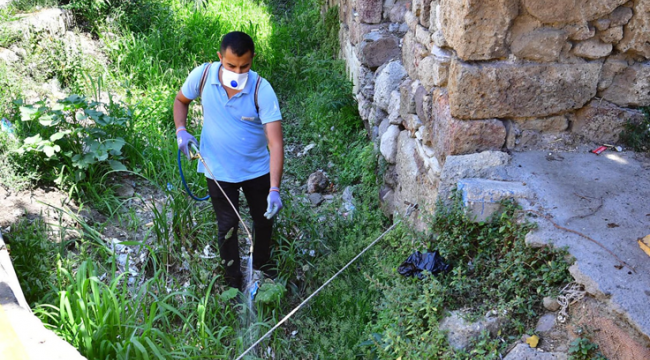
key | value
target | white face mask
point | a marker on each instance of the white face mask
(233, 80)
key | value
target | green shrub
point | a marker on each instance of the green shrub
(637, 135)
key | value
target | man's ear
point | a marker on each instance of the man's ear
(219, 55)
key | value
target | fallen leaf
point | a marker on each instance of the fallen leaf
(533, 341)
(613, 225)
(645, 244)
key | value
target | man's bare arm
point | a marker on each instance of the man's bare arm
(273, 131)
(181, 107)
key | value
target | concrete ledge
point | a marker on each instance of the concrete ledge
(22, 335)
(482, 197)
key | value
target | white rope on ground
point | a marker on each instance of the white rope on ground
(316, 292)
(571, 294)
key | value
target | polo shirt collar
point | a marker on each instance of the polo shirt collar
(214, 78)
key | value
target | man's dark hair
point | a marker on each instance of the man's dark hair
(238, 42)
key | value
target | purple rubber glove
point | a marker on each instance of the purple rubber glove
(275, 204)
(184, 139)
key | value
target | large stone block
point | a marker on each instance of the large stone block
(602, 121)
(418, 180)
(477, 29)
(370, 11)
(452, 136)
(388, 79)
(630, 87)
(377, 48)
(482, 197)
(393, 107)
(544, 44)
(564, 11)
(501, 89)
(637, 32)
(551, 124)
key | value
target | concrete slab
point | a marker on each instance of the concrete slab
(482, 197)
(607, 198)
(22, 335)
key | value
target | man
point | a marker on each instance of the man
(237, 128)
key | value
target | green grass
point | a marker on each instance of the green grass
(189, 314)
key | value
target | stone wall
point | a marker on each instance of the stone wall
(436, 79)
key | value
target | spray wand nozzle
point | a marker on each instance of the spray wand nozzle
(194, 151)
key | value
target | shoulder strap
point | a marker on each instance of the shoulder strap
(257, 90)
(204, 78)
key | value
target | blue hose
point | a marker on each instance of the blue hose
(187, 188)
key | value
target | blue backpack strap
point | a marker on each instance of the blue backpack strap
(204, 78)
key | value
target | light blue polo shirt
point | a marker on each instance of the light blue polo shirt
(233, 143)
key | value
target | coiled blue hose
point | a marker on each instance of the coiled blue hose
(187, 188)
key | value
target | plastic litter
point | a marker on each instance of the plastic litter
(254, 288)
(418, 262)
(7, 127)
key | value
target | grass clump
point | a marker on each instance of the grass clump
(637, 134)
(493, 269)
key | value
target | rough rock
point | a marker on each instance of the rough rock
(420, 94)
(461, 332)
(580, 31)
(411, 20)
(482, 197)
(422, 9)
(383, 126)
(52, 20)
(8, 56)
(434, 71)
(612, 66)
(317, 182)
(621, 16)
(525, 352)
(423, 36)
(388, 144)
(637, 32)
(501, 89)
(548, 124)
(564, 11)
(358, 30)
(370, 11)
(412, 53)
(592, 49)
(602, 121)
(602, 24)
(452, 136)
(407, 97)
(439, 39)
(477, 165)
(316, 199)
(546, 322)
(544, 44)
(396, 13)
(388, 79)
(550, 303)
(477, 29)
(418, 180)
(377, 48)
(612, 35)
(394, 107)
(630, 87)
(412, 123)
(387, 200)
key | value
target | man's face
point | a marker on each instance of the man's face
(234, 63)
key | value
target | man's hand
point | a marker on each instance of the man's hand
(274, 204)
(184, 139)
